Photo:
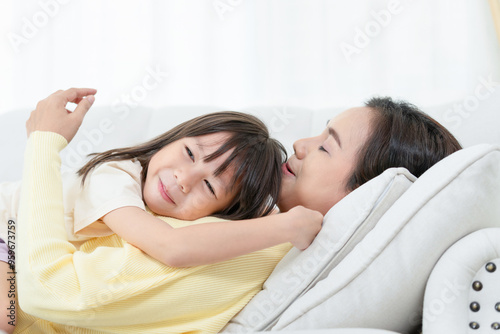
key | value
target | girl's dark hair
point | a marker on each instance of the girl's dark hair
(402, 136)
(256, 159)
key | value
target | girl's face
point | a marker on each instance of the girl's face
(180, 184)
(316, 175)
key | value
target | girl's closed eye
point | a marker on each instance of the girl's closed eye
(189, 153)
(322, 148)
(210, 188)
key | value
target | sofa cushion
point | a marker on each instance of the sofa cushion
(106, 128)
(381, 282)
(12, 143)
(344, 226)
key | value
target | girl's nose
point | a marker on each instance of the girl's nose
(182, 180)
(187, 177)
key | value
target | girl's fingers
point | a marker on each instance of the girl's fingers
(84, 105)
(51, 113)
(75, 95)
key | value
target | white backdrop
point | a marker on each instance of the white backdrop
(240, 53)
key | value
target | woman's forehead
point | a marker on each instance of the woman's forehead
(350, 124)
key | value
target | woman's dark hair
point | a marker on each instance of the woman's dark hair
(401, 136)
(256, 159)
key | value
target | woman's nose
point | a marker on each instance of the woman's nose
(300, 148)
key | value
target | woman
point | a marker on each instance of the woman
(72, 288)
(358, 145)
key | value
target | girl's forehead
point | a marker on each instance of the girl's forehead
(212, 139)
(210, 144)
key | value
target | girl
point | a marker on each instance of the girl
(221, 164)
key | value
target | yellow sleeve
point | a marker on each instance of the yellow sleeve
(55, 281)
(111, 185)
(109, 285)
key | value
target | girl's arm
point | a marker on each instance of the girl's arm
(212, 242)
(58, 283)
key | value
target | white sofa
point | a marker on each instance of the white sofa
(368, 269)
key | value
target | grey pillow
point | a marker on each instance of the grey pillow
(344, 226)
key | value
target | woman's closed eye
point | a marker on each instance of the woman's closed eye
(322, 148)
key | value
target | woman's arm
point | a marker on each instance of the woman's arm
(212, 242)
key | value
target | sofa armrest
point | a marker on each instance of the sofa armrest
(463, 290)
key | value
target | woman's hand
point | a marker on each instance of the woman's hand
(51, 113)
(305, 224)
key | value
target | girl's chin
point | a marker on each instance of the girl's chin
(158, 209)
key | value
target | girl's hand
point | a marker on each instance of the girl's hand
(305, 224)
(51, 113)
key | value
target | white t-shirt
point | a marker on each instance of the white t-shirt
(109, 186)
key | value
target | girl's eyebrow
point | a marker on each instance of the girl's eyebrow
(200, 147)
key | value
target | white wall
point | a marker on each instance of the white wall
(239, 53)
(252, 55)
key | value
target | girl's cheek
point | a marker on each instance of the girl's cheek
(199, 204)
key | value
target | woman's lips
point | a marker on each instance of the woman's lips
(286, 169)
(164, 193)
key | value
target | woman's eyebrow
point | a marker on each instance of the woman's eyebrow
(335, 135)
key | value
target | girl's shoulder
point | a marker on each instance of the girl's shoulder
(132, 167)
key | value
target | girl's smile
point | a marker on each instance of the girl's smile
(181, 184)
(164, 193)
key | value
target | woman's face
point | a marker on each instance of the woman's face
(316, 175)
(180, 184)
